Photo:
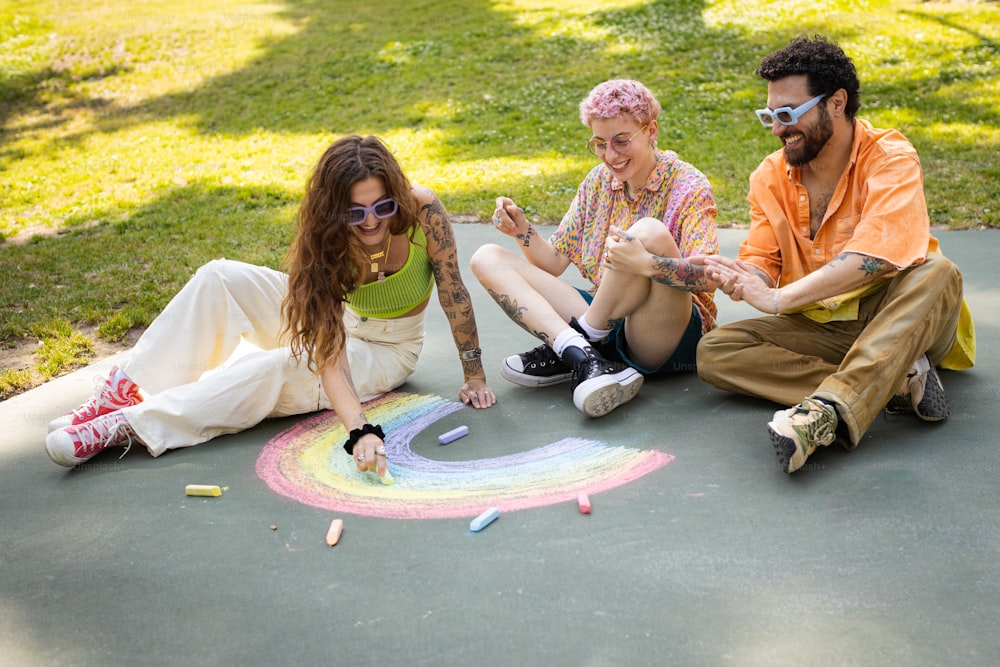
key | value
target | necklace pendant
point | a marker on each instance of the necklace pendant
(374, 267)
(381, 276)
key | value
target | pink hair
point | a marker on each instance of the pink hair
(619, 97)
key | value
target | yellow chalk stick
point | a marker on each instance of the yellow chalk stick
(333, 535)
(202, 490)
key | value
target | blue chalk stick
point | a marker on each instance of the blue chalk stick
(453, 434)
(484, 519)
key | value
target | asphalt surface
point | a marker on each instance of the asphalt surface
(698, 551)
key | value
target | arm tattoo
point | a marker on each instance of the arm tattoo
(437, 224)
(358, 421)
(838, 259)
(452, 293)
(345, 372)
(768, 280)
(872, 266)
(525, 238)
(679, 274)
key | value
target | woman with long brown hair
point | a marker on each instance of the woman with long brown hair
(342, 326)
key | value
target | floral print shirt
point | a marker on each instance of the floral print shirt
(675, 192)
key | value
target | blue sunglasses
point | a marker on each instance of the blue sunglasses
(786, 115)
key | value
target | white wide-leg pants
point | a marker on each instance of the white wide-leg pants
(193, 390)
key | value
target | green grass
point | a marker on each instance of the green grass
(139, 140)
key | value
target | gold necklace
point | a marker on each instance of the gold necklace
(375, 257)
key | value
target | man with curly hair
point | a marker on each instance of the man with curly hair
(862, 304)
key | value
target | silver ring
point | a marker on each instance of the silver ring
(380, 451)
(361, 459)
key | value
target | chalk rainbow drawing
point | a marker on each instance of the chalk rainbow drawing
(307, 463)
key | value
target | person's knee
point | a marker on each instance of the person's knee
(234, 276)
(944, 269)
(220, 270)
(648, 229)
(655, 237)
(712, 347)
(488, 260)
(704, 356)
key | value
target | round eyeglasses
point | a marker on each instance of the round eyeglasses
(622, 143)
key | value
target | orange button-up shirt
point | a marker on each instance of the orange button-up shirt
(878, 209)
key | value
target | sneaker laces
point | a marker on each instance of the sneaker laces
(583, 368)
(541, 354)
(104, 395)
(94, 436)
(819, 431)
(92, 405)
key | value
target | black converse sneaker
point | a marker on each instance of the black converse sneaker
(539, 367)
(600, 386)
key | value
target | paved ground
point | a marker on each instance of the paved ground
(889, 555)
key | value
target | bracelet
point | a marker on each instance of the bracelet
(357, 434)
(471, 355)
(775, 301)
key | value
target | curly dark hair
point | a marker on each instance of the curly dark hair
(326, 260)
(825, 64)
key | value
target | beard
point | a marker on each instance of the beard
(813, 140)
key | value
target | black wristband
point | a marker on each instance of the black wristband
(358, 432)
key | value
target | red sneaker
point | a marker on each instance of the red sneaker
(115, 393)
(73, 445)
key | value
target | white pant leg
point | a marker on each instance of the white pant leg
(269, 383)
(201, 326)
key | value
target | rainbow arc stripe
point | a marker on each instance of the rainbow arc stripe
(307, 463)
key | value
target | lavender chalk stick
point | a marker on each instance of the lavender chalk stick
(453, 434)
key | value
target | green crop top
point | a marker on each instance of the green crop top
(402, 291)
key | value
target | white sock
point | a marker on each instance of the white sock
(592, 333)
(567, 337)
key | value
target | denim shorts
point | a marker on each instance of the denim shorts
(681, 361)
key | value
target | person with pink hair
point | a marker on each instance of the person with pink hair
(635, 220)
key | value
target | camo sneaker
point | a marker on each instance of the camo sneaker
(799, 431)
